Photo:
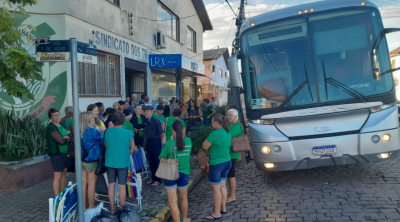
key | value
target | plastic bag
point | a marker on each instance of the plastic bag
(127, 215)
(90, 213)
(105, 216)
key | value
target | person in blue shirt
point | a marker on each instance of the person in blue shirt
(91, 140)
(119, 146)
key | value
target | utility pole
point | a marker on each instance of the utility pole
(239, 21)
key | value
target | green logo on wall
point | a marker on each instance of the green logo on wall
(51, 92)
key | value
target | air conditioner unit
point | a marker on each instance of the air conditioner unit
(160, 40)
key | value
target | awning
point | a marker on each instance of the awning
(187, 66)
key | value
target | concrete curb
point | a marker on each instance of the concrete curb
(164, 214)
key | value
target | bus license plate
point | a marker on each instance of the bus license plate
(322, 150)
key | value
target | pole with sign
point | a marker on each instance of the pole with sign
(77, 133)
(65, 51)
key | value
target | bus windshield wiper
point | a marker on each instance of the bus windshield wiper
(341, 86)
(291, 95)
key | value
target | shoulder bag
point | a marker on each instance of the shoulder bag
(240, 143)
(101, 164)
(168, 168)
(203, 159)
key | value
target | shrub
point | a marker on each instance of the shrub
(221, 109)
(198, 135)
(21, 138)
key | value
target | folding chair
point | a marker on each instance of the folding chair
(139, 162)
(63, 207)
(133, 180)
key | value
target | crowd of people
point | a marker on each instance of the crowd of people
(130, 125)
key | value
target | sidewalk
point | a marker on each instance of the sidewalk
(31, 204)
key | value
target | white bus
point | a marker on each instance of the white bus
(318, 86)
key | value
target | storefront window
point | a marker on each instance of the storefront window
(163, 86)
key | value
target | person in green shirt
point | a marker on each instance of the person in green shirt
(219, 144)
(235, 129)
(69, 124)
(57, 141)
(182, 147)
(159, 115)
(128, 116)
(175, 116)
(208, 111)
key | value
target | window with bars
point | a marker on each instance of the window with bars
(191, 39)
(103, 79)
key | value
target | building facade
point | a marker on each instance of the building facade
(215, 84)
(126, 33)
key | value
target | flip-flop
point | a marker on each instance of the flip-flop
(213, 218)
(156, 183)
(228, 202)
(222, 212)
(150, 182)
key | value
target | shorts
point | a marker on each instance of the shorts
(89, 166)
(182, 182)
(232, 170)
(120, 173)
(60, 162)
(219, 172)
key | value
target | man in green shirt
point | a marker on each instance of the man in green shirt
(127, 124)
(159, 115)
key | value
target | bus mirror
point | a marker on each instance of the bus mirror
(234, 71)
(375, 52)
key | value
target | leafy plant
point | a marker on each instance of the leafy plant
(221, 109)
(15, 61)
(21, 138)
(198, 135)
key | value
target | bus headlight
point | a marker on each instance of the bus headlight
(375, 139)
(276, 149)
(380, 108)
(263, 121)
(386, 137)
(385, 155)
(265, 149)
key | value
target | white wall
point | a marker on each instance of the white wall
(220, 65)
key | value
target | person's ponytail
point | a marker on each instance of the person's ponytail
(178, 128)
(225, 124)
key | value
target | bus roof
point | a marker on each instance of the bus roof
(292, 11)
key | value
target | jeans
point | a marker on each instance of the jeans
(219, 172)
(207, 122)
(182, 182)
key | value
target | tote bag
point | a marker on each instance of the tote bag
(168, 168)
(240, 143)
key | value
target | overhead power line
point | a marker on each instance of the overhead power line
(231, 8)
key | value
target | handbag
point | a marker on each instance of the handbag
(202, 160)
(101, 165)
(168, 168)
(240, 143)
(164, 140)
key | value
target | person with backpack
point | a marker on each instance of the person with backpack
(90, 141)
(183, 147)
(120, 145)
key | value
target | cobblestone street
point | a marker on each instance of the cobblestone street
(368, 192)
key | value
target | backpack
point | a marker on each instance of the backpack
(85, 152)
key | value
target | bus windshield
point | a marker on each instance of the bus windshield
(316, 58)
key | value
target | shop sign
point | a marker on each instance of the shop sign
(192, 65)
(116, 44)
(86, 53)
(164, 61)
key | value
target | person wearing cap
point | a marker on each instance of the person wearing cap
(159, 115)
(127, 124)
(154, 134)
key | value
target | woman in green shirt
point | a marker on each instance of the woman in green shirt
(219, 143)
(183, 147)
(57, 140)
(235, 129)
(175, 116)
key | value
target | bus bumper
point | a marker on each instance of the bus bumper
(355, 148)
